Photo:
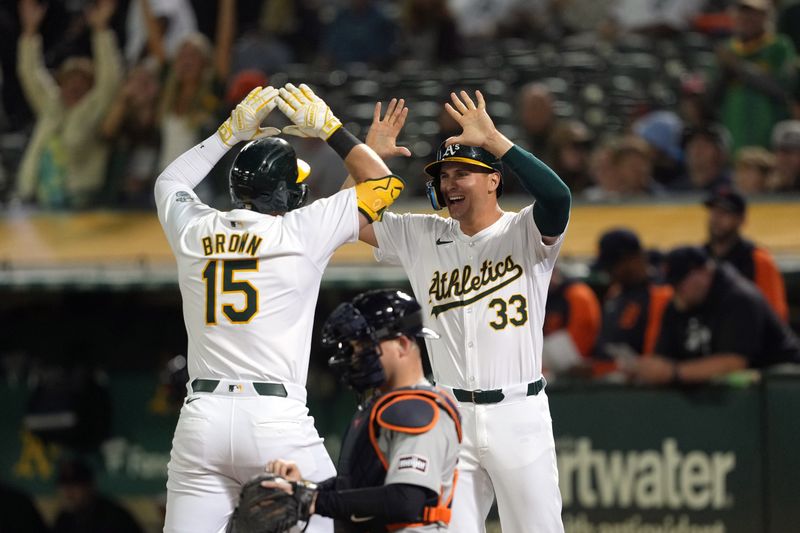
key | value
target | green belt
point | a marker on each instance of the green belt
(264, 389)
(494, 396)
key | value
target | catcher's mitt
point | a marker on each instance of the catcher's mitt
(271, 510)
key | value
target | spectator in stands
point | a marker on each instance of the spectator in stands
(533, 20)
(570, 146)
(538, 118)
(654, 17)
(753, 171)
(258, 49)
(633, 304)
(360, 33)
(632, 161)
(428, 31)
(571, 323)
(578, 16)
(296, 23)
(83, 508)
(18, 512)
(786, 144)
(175, 19)
(662, 131)
(602, 173)
(726, 216)
(717, 323)
(193, 82)
(706, 152)
(65, 161)
(754, 77)
(132, 125)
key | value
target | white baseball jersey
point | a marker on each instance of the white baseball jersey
(250, 281)
(485, 294)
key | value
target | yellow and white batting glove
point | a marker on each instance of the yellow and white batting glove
(244, 124)
(311, 115)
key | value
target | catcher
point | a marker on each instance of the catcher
(397, 467)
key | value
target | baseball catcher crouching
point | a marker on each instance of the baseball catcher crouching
(271, 504)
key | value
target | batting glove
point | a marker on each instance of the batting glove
(311, 115)
(244, 124)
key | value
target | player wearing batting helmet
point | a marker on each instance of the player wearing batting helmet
(239, 273)
(481, 277)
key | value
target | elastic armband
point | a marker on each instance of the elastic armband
(375, 195)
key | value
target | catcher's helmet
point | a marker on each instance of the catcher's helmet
(355, 329)
(460, 153)
(267, 177)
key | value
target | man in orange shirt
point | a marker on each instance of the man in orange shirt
(633, 305)
(726, 216)
(571, 322)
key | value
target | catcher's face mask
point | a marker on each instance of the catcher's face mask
(358, 350)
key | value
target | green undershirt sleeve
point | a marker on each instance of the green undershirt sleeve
(553, 199)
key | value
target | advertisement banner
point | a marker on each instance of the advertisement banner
(659, 461)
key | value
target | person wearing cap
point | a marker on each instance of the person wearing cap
(64, 164)
(662, 132)
(707, 150)
(726, 216)
(481, 277)
(717, 323)
(786, 145)
(633, 304)
(83, 508)
(568, 154)
(755, 74)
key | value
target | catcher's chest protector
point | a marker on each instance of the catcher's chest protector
(409, 410)
(359, 465)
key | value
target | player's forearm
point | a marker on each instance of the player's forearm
(363, 163)
(553, 199)
(394, 503)
(193, 165)
(706, 368)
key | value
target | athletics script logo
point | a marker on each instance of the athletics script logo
(470, 287)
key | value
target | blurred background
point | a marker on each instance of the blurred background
(674, 122)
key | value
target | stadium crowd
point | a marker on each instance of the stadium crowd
(623, 98)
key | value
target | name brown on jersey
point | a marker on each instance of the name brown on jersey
(220, 243)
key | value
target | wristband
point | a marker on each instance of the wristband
(342, 142)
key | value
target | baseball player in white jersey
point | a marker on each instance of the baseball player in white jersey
(249, 279)
(481, 277)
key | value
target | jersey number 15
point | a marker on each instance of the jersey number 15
(229, 285)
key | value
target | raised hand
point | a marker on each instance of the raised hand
(475, 122)
(311, 115)
(244, 124)
(382, 136)
(31, 14)
(100, 12)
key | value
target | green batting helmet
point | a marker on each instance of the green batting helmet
(267, 177)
